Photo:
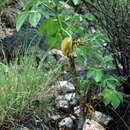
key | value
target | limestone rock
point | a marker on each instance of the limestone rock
(62, 104)
(101, 118)
(77, 110)
(68, 122)
(65, 86)
(92, 125)
(55, 117)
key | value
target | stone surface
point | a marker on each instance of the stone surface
(69, 97)
(62, 104)
(65, 86)
(68, 122)
(55, 117)
(101, 118)
(92, 125)
(77, 111)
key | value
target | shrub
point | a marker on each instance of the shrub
(113, 17)
(60, 25)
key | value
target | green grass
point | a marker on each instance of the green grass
(2, 4)
(20, 85)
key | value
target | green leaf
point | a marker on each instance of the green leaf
(89, 1)
(112, 96)
(21, 19)
(67, 17)
(99, 56)
(90, 74)
(89, 16)
(111, 84)
(52, 27)
(34, 18)
(99, 43)
(92, 67)
(110, 64)
(98, 75)
(104, 38)
(83, 83)
(107, 95)
(57, 2)
(108, 59)
(43, 12)
(118, 95)
(110, 78)
(115, 101)
(110, 81)
(103, 83)
(75, 2)
(80, 31)
(37, 3)
(51, 41)
(80, 18)
(64, 24)
(125, 2)
(80, 54)
(107, 100)
(42, 27)
(28, 5)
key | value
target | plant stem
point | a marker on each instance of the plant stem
(73, 71)
(120, 117)
(59, 22)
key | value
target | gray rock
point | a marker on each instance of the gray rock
(60, 97)
(60, 58)
(68, 122)
(71, 97)
(101, 118)
(77, 110)
(62, 104)
(24, 38)
(73, 117)
(55, 117)
(65, 86)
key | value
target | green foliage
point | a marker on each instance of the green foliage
(75, 2)
(2, 4)
(109, 82)
(89, 16)
(96, 73)
(21, 19)
(59, 25)
(34, 18)
(22, 84)
(113, 18)
(112, 96)
(89, 1)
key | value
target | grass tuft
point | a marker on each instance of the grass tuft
(20, 84)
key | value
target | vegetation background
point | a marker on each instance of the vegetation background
(99, 31)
